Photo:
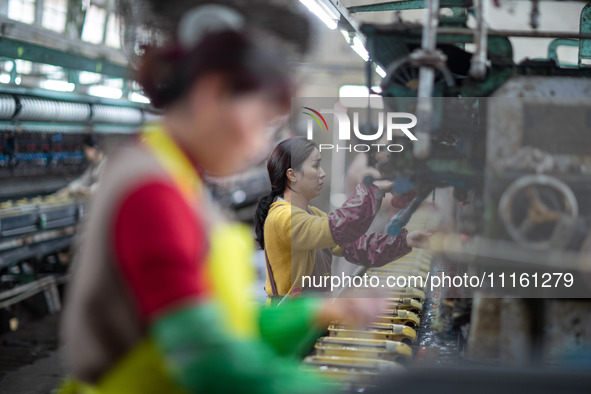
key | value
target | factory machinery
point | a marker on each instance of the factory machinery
(510, 144)
(507, 141)
(359, 355)
(41, 150)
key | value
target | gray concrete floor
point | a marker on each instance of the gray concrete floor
(29, 359)
(40, 377)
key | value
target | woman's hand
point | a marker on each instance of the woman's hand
(352, 311)
(418, 239)
(83, 192)
(385, 186)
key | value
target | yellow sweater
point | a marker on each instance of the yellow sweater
(292, 236)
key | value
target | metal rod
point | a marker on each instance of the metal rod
(458, 31)
(451, 245)
(369, 78)
(414, 5)
(403, 5)
(426, 82)
(478, 61)
(352, 342)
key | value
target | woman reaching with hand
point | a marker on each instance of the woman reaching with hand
(299, 240)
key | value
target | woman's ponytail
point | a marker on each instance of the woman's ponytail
(260, 216)
(290, 153)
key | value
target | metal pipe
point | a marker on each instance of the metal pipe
(422, 148)
(478, 61)
(459, 31)
(480, 250)
(401, 5)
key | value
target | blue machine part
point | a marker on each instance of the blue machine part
(403, 185)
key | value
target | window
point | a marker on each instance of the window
(53, 72)
(22, 10)
(113, 38)
(94, 25)
(23, 66)
(114, 83)
(54, 15)
(87, 78)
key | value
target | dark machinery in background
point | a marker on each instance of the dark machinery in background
(513, 141)
(448, 84)
(41, 134)
(41, 151)
(242, 193)
(41, 138)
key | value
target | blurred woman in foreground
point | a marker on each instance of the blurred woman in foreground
(159, 301)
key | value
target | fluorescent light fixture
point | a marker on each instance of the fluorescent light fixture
(23, 66)
(87, 78)
(359, 48)
(139, 98)
(18, 80)
(381, 72)
(61, 86)
(4, 78)
(113, 83)
(323, 11)
(356, 43)
(345, 34)
(105, 91)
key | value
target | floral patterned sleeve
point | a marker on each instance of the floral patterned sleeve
(352, 220)
(375, 250)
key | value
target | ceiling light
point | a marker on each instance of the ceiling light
(139, 98)
(61, 86)
(381, 72)
(359, 48)
(325, 12)
(105, 91)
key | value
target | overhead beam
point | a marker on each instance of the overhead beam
(346, 22)
(405, 5)
(402, 5)
(16, 49)
(42, 37)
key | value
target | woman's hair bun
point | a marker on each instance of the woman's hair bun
(153, 22)
(173, 43)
